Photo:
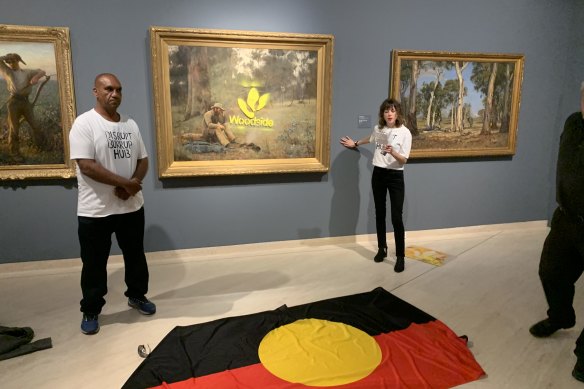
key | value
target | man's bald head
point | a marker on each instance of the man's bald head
(101, 76)
(108, 93)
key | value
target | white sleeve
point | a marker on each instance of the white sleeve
(406, 143)
(81, 142)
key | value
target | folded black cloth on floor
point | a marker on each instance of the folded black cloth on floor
(16, 341)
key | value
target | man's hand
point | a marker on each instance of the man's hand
(125, 192)
(94, 170)
(121, 193)
(133, 186)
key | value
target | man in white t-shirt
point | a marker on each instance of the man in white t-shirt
(111, 164)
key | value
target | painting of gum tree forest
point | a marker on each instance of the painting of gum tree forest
(458, 104)
(233, 102)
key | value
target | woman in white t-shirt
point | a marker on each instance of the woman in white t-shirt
(393, 142)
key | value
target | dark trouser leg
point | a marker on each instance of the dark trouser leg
(95, 241)
(560, 267)
(379, 188)
(130, 235)
(396, 197)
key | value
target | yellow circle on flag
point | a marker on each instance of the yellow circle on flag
(317, 352)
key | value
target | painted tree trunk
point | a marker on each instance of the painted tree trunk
(489, 112)
(199, 90)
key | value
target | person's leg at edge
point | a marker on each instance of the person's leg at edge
(559, 268)
(574, 231)
(379, 189)
(397, 197)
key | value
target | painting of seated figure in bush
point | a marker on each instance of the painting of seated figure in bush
(240, 102)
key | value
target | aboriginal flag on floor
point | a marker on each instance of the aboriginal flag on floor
(366, 340)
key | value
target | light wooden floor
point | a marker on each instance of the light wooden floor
(489, 290)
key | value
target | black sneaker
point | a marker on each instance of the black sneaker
(143, 305)
(89, 324)
(546, 328)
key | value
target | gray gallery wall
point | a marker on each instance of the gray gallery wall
(38, 217)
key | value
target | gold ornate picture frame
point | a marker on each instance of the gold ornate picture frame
(274, 91)
(458, 104)
(35, 116)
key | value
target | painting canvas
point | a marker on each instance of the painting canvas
(36, 102)
(235, 102)
(459, 104)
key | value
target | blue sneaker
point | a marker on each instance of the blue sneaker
(89, 324)
(143, 305)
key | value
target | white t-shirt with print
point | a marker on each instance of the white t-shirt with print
(117, 146)
(400, 138)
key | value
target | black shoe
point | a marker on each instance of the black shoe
(143, 305)
(89, 324)
(546, 328)
(381, 254)
(399, 264)
(578, 371)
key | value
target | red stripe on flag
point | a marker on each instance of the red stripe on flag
(423, 356)
(426, 355)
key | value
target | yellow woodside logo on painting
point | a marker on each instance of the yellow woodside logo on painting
(254, 103)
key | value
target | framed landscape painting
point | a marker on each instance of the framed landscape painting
(37, 104)
(241, 102)
(458, 104)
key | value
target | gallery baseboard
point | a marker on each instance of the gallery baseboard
(9, 270)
